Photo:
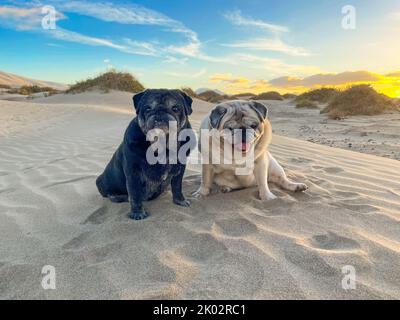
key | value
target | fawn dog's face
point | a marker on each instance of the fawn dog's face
(240, 123)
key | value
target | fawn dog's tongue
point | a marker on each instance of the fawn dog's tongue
(244, 147)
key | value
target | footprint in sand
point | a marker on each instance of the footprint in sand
(203, 247)
(236, 227)
(300, 160)
(77, 242)
(102, 253)
(333, 170)
(309, 261)
(100, 215)
(332, 241)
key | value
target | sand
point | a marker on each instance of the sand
(377, 135)
(228, 246)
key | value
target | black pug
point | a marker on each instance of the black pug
(129, 176)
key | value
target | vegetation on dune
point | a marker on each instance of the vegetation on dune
(322, 95)
(359, 100)
(270, 95)
(289, 96)
(189, 91)
(307, 104)
(4, 86)
(105, 82)
(243, 95)
(212, 96)
(29, 90)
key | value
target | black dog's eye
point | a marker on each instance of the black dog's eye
(146, 109)
(254, 126)
(175, 109)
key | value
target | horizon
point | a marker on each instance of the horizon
(236, 47)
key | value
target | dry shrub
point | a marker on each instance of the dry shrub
(270, 95)
(359, 100)
(111, 80)
(306, 104)
(322, 95)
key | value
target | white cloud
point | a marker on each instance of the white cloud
(175, 60)
(395, 15)
(23, 19)
(198, 74)
(236, 18)
(276, 66)
(264, 44)
(139, 47)
(326, 79)
(107, 11)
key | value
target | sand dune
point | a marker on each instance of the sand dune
(228, 246)
(14, 80)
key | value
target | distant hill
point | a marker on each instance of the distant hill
(202, 90)
(15, 81)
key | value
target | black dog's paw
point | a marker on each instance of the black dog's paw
(182, 203)
(119, 198)
(138, 214)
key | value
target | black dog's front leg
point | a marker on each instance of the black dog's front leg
(135, 192)
(176, 188)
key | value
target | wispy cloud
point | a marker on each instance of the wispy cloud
(197, 74)
(236, 18)
(23, 19)
(327, 79)
(273, 43)
(27, 16)
(228, 78)
(276, 66)
(264, 44)
(107, 11)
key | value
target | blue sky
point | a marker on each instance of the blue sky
(233, 45)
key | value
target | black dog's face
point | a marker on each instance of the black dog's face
(156, 108)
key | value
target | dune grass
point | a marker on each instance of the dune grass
(4, 86)
(306, 104)
(270, 95)
(29, 90)
(322, 95)
(247, 95)
(358, 100)
(105, 82)
(212, 96)
(289, 96)
(189, 91)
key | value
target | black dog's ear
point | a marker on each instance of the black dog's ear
(188, 100)
(260, 109)
(136, 99)
(216, 116)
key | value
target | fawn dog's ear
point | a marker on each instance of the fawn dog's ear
(260, 109)
(216, 116)
(136, 99)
